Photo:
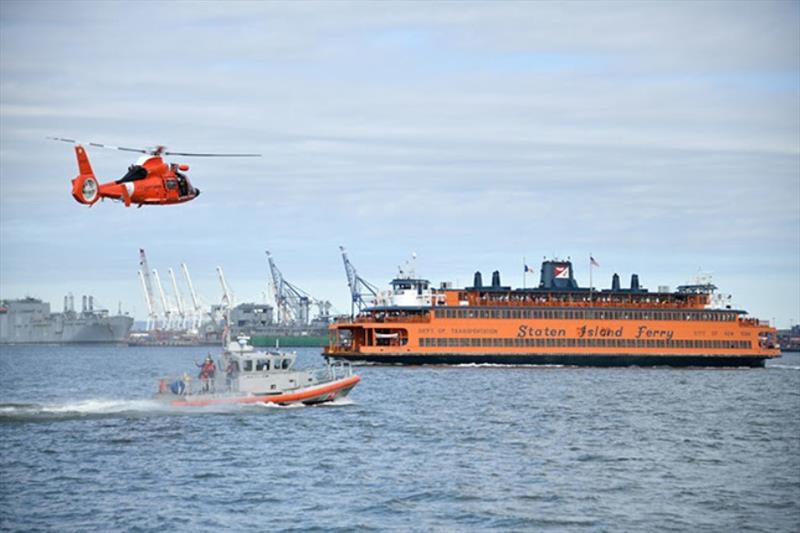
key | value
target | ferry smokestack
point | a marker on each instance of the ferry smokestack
(66, 303)
(478, 282)
(91, 304)
(83, 304)
(615, 282)
(634, 282)
(496, 279)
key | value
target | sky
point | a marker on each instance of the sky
(662, 138)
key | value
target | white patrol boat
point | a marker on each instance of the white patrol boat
(248, 376)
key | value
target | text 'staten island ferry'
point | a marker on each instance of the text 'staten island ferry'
(557, 323)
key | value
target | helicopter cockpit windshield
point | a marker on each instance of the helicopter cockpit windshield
(135, 173)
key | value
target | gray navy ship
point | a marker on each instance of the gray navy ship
(29, 321)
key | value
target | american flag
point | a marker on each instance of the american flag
(593, 262)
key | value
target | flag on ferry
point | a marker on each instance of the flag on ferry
(593, 262)
(528, 269)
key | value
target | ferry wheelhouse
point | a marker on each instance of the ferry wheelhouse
(556, 323)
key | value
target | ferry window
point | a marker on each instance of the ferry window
(537, 314)
(262, 364)
(248, 365)
(660, 344)
(581, 342)
(285, 364)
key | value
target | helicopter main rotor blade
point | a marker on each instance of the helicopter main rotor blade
(73, 141)
(156, 151)
(122, 148)
(99, 145)
(189, 154)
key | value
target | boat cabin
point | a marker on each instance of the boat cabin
(260, 372)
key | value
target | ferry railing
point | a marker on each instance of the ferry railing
(392, 319)
(596, 302)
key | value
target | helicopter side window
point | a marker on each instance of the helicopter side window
(172, 184)
(135, 173)
(183, 183)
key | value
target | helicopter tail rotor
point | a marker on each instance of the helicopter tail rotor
(85, 188)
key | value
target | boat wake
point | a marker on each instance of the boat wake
(338, 402)
(90, 409)
(784, 367)
(98, 408)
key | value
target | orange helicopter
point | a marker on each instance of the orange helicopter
(149, 181)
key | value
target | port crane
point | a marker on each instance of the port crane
(197, 315)
(360, 289)
(149, 296)
(167, 323)
(227, 305)
(178, 299)
(293, 303)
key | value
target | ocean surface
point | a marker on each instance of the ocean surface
(83, 447)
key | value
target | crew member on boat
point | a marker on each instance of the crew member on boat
(231, 373)
(207, 371)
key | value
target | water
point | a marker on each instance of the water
(82, 447)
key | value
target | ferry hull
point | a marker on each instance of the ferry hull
(596, 360)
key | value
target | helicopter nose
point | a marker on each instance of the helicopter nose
(196, 193)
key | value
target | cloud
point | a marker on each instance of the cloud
(473, 134)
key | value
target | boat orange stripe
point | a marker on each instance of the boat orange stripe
(278, 398)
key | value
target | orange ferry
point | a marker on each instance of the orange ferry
(556, 323)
